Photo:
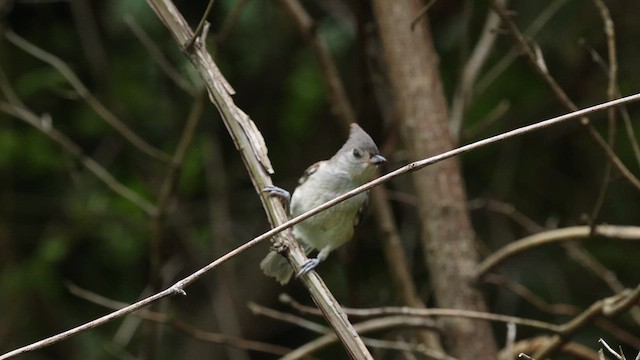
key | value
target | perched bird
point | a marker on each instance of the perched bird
(353, 165)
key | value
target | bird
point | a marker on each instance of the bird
(353, 165)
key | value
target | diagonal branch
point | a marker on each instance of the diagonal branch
(181, 326)
(159, 57)
(82, 90)
(553, 236)
(75, 150)
(178, 287)
(533, 60)
(252, 148)
(608, 307)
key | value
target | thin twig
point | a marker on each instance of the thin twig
(179, 286)
(430, 312)
(624, 113)
(562, 309)
(422, 13)
(253, 150)
(508, 210)
(345, 113)
(200, 26)
(530, 296)
(257, 309)
(92, 324)
(553, 236)
(362, 328)
(229, 22)
(225, 287)
(610, 350)
(181, 150)
(533, 60)
(157, 55)
(7, 90)
(531, 31)
(571, 350)
(397, 261)
(611, 113)
(202, 335)
(84, 92)
(75, 150)
(167, 186)
(470, 72)
(337, 94)
(315, 327)
(608, 307)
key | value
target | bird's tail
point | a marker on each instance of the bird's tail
(277, 266)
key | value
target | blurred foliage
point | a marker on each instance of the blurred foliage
(59, 224)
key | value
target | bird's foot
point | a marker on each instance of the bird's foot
(279, 193)
(308, 266)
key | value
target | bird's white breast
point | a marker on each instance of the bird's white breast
(334, 226)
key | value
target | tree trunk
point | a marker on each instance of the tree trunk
(447, 235)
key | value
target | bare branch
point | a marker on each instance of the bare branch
(362, 328)
(230, 21)
(337, 94)
(92, 324)
(312, 326)
(201, 23)
(531, 31)
(608, 307)
(610, 350)
(159, 57)
(422, 13)
(179, 286)
(553, 236)
(431, 312)
(464, 89)
(257, 309)
(248, 140)
(198, 334)
(72, 148)
(532, 59)
(612, 90)
(82, 90)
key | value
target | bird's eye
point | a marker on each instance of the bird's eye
(357, 153)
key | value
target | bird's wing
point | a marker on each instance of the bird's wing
(310, 170)
(361, 212)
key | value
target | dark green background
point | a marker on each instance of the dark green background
(60, 224)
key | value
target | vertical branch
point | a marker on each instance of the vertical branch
(611, 113)
(464, 90)
(224, 290)
(253, 151)
(397, 260)
(158, 221)
(394, 251)
(90, 40)
(337, 95)
(447, 236)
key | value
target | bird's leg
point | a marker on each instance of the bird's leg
(312, 263)
(279, 193)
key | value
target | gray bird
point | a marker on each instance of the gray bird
(353, 165)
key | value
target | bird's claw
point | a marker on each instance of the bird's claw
(308, 266)
(278, 192)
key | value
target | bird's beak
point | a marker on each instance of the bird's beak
(377, 160)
